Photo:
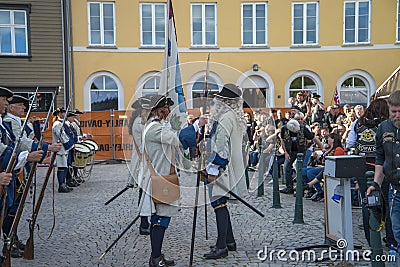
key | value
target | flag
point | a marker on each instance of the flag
(171, 80)
(336, 97)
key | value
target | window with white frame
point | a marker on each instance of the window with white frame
(303, 84)
(204, 24)
(353, 91)
(13, 32)
(152, 26)
(151, 86)
(357, 22)
(398, 22)
(103, 94)
(305, 23)
(101, 23)
(254, 24)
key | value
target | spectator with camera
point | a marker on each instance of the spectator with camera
(387, 163)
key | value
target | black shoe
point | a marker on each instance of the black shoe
(157, 262)
(15, 252)
(64, 189)
(309, 194)
(216, 253)
(318, 197)
(230, 246)
(78, 180)
(72, 184)
(144, 231)
(18, 243)
(287, 190)
(168, 262)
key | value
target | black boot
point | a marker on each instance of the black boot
(230, 246)
(64, 189)
(216, 253)
(168, 262)
(157, 262)
(72, 184)
(18, 243)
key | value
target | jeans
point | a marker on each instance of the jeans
(287, 168)
(253, 158)
(307, 158)
(395, 213)
(309, 174)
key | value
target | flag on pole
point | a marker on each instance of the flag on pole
(336, 97)
(171, 80)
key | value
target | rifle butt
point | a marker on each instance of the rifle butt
(29, 249)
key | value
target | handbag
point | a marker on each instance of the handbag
(164, 189)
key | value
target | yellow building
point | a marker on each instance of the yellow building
(270, 48)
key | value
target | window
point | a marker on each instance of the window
(13, 32)
(255, 92)
(354, 91)
(198, 92)
(152, 27)
(357, 22)
(103, 94)
(42, 102)
(398, 22)
(204, 24)
(305, 24)
(302, 84)
(254, 24)
(101, 24)
(151, 86)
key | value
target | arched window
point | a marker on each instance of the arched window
(255, 92)
(103, 94)
(302, 84)
(151, 86)
(198, 91)
(354, 91)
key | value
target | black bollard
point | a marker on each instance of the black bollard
(245, 149)
(298, 209)
(276, 198)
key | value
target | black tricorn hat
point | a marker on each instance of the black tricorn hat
(6, 92)
(157, 101)
(18, 99)
(315, 95)
(138, 103)
(230, 91)
(77, 111)
(58, 111)
(71, 114)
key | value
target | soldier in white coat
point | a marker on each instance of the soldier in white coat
(59, 135)
(160, 143)
(226, 165)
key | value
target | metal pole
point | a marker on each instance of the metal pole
(298, 211)
(246, 172)
(276, 198)
(261, 167)
(375, 236)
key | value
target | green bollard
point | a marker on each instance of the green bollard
(261, 169)
(298, 209)
(283, 180)
(276, 197)
(245, 149)
(375, 237)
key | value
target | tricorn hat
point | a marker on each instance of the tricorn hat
(230, 91)
(58, 111)
(18, 99)
(77, 111)
(138, 103)
(315, 95)
(6, 92)
(71, 114)
(157, 101)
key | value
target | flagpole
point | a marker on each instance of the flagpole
(199, 169)
(168, 33)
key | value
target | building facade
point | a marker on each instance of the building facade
(272, 49)
(32, 50)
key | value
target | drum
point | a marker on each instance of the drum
(90, 157)
(93, 143)
(81, 153)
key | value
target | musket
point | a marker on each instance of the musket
(13, 158)
(196, 201)
(10, 239)
(118, 194)
(29, 247)
(119, 237)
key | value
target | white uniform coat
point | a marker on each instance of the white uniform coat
(62, 155)
(137, 131)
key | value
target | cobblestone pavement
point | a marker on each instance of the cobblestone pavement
(85, 227)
